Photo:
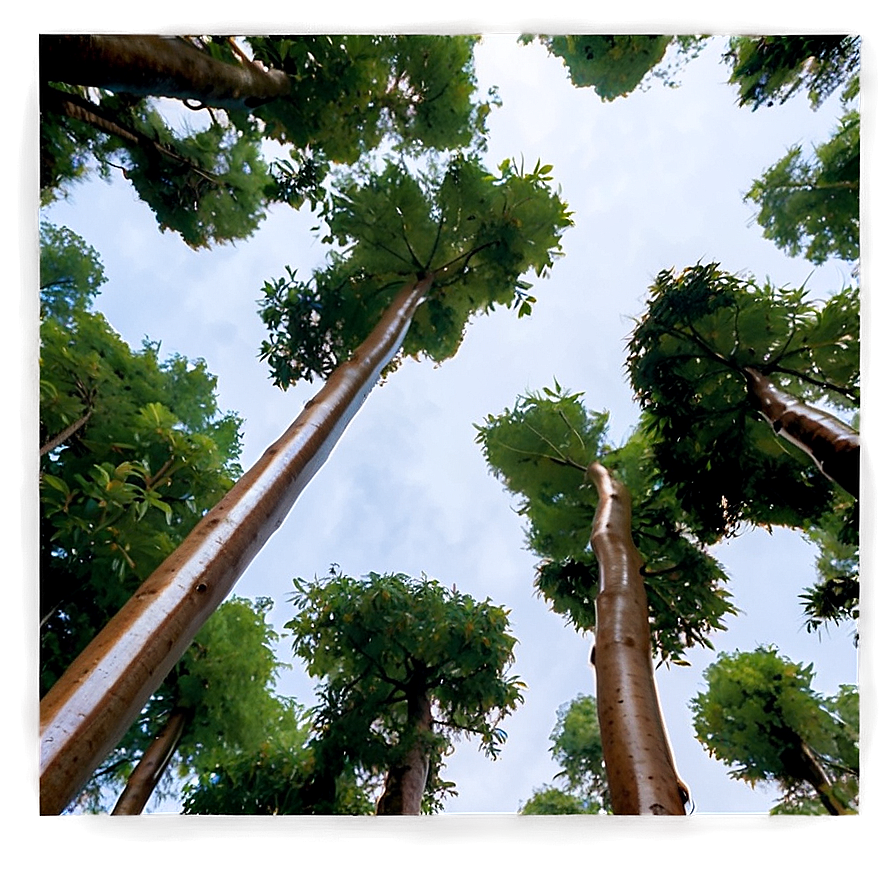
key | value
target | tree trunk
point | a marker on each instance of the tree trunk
(809, 769)
(156, 65)
(149, 770)
(640, 769)
(90, 707)
(406, 781)
(833, 445)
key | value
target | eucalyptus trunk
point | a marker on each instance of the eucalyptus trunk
(640, 768)
(406, 780)
(91, 706)
(149, 770)
(832, 444)
(157, 65)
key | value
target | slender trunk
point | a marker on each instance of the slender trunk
(640, 769)
(157, 65)
(149, 770)
(833, 445)
(90, 707)
(66, 434)
(406, 781)
(809, 769)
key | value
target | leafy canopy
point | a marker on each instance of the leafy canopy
(478, 234)
(383, 641)
(144, 453)
(687, 356)
(811, 207)
(540, 450)
(208, 179)
(759, 710)
(615, 64)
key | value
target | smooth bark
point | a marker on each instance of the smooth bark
(406, 781)
(640, 768)
(149, 770)
(157, 65)
(90, 707)
(832, 444)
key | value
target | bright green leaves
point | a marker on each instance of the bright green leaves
(759, 711)
(143, 453)
(687, 355)
(540, 449)
(386, 644)
(613, 64)
(811, 207)
(351, 92)
(379, 640)
(477, 232)
(71, 272)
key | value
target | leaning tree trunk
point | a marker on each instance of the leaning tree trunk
(640, 769)
(90, 707)
(806, 767)
(406, 781)
(832, 444)
(149, 770)
(157, 65)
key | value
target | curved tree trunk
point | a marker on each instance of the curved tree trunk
(640, 769)
(156, 65)
(90, 707)
(149, 770)
(405, 782)
(832, 444)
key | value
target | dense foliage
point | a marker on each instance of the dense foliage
(208, 179)
(146, 452)
(759, 715)
(381, 642)
(540, 449)
(477, 232)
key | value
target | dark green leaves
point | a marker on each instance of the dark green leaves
(702, 328)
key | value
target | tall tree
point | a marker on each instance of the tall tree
(219, 699)
(133, 451)
(577, 748)
(325, 99)
(760, 716)
(481, 234)
(724, 369)
(413, 664)
(543, 449)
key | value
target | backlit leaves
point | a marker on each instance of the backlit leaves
(540, 449)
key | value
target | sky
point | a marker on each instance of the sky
(654, 181)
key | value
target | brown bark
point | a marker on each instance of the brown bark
(88, 710)
(640, 768)
(809, 769)
(406, 781)
(149, 770)
(832, 444)
(157, 65)
(66, 434)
